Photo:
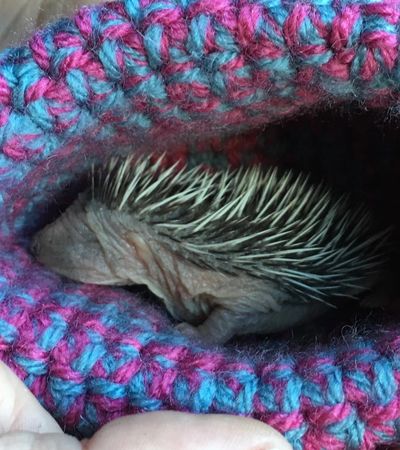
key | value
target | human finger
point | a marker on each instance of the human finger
(26, 440)
(19, 409)
(170, 430)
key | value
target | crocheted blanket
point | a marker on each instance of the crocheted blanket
(192, 77)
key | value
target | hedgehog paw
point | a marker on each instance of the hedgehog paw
(188, 330)
(207, 333)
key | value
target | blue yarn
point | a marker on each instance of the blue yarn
(53, 334)
(384, 385)
(152, 43)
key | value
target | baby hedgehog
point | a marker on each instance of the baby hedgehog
(229, 252)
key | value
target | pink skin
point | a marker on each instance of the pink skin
(25, 425)
(93, 244)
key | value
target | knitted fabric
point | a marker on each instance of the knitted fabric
(144, 74)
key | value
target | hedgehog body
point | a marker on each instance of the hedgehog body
(229, 252)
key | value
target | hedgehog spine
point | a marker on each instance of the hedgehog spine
(264, 224)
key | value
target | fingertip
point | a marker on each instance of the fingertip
(19, 409)
(172, 430)
(249, 434)
(26, 440)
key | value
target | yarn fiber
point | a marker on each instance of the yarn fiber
(135, 73)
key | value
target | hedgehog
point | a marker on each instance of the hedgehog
(229, 252)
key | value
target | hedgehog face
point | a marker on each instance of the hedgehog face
(71, 248)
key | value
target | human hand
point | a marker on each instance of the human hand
(25, 425)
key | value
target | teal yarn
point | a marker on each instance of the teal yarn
(133, 75)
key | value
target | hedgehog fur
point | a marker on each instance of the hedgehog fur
(261, 250)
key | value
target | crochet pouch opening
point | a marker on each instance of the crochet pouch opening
(350, 150)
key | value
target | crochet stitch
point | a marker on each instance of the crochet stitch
(139, 73)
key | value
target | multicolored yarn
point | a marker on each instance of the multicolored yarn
(136, 74)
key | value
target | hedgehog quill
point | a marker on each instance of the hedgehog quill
(230, 252)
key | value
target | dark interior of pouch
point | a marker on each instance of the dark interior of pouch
(308, 86)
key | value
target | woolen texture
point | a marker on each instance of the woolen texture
(151, 74)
